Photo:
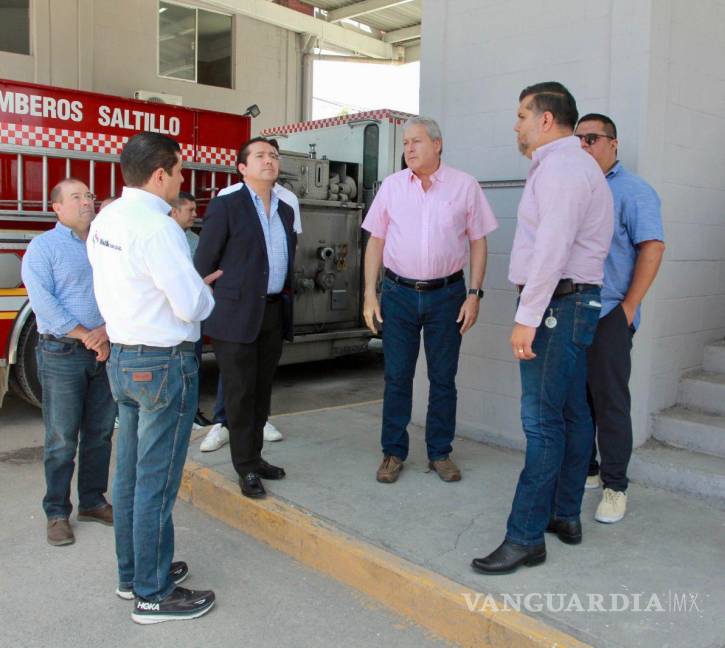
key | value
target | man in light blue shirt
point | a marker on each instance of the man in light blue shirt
(631, 266)
(71, 353)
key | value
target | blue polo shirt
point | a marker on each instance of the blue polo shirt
(636, 219)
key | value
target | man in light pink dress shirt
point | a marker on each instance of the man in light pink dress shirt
(563, 235)
(422, 224)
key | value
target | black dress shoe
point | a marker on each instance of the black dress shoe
(569, 531)
(268, 471)
(202, 420)
(509, 557)
(252, 485)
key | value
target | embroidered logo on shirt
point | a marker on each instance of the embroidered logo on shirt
(105, 242)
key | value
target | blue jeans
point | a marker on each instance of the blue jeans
(556, 419)
(76, 399)
(405, 312)
(157, 394)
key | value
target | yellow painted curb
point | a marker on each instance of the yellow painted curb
(430, 600)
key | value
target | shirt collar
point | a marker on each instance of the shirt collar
(150, 200)
(256, 198)
(437, 176)
(570, 141)
(67, 231)
(615, 169)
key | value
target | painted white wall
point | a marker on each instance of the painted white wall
(655, 66)
(110, 46)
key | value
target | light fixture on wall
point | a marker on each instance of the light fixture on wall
(253, 111)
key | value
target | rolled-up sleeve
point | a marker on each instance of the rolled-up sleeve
(169, 264)
(37, 275)
(377, 219)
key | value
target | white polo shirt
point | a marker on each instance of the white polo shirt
(285, 195)
(145, 283)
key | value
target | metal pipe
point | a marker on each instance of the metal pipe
(20, 181)
(113, 179)
(92, 175)
(45, 183)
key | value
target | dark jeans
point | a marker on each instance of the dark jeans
(405, 312)
(247, 371)
(157, 394)
(608, 375)
(78, 413)
(556, 419)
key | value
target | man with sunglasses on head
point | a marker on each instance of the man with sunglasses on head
(78, 409)
(631, 266)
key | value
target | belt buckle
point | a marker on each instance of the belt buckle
(420, 285)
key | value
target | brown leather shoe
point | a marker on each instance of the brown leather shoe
(59, 532)
(446, 469)
(103, 514)
(389, 470)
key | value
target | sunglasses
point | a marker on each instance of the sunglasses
(591, 138)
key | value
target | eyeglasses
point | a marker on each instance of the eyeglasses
(591, 138)
(88, 196)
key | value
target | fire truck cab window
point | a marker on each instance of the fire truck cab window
(195, 45)
(15, 26)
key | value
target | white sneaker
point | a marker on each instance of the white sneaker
(215, 438)
(271, 433)
(612, 507)
(593, 481)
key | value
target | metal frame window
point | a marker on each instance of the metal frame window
(15, 26)
(179, 51)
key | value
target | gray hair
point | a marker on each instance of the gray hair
(430, 125)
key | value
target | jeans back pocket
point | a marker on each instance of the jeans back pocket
(147, 385)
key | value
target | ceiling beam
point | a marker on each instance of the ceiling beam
(274, 14)
(362, 8)
(400, 35)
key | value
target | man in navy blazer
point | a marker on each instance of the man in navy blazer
(249, 235)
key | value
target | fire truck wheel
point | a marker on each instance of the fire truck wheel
(24, 375)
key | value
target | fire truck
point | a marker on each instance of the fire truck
(334, 166)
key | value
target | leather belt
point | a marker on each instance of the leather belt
(567, 287)
(143, 348)
(428, 284)
(66, 340)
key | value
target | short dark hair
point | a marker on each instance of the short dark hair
(553, 97)
(146, 152)
(610, 128)
(243, 154)
(184, 196)
(56, 193)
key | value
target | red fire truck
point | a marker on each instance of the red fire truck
(47, 134)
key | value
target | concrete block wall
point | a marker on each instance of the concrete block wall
(655, 66)
(108, 46)
(683, 148)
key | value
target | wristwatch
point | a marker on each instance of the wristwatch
(476, 291)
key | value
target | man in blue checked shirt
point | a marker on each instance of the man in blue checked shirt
(631, 267)
(78, 409)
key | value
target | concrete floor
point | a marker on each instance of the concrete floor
(63, 596)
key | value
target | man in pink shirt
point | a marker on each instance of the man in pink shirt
(422, 223)
(563, 235)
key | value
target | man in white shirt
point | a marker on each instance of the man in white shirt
(152, 300)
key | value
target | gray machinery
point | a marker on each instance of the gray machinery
(328, 264)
